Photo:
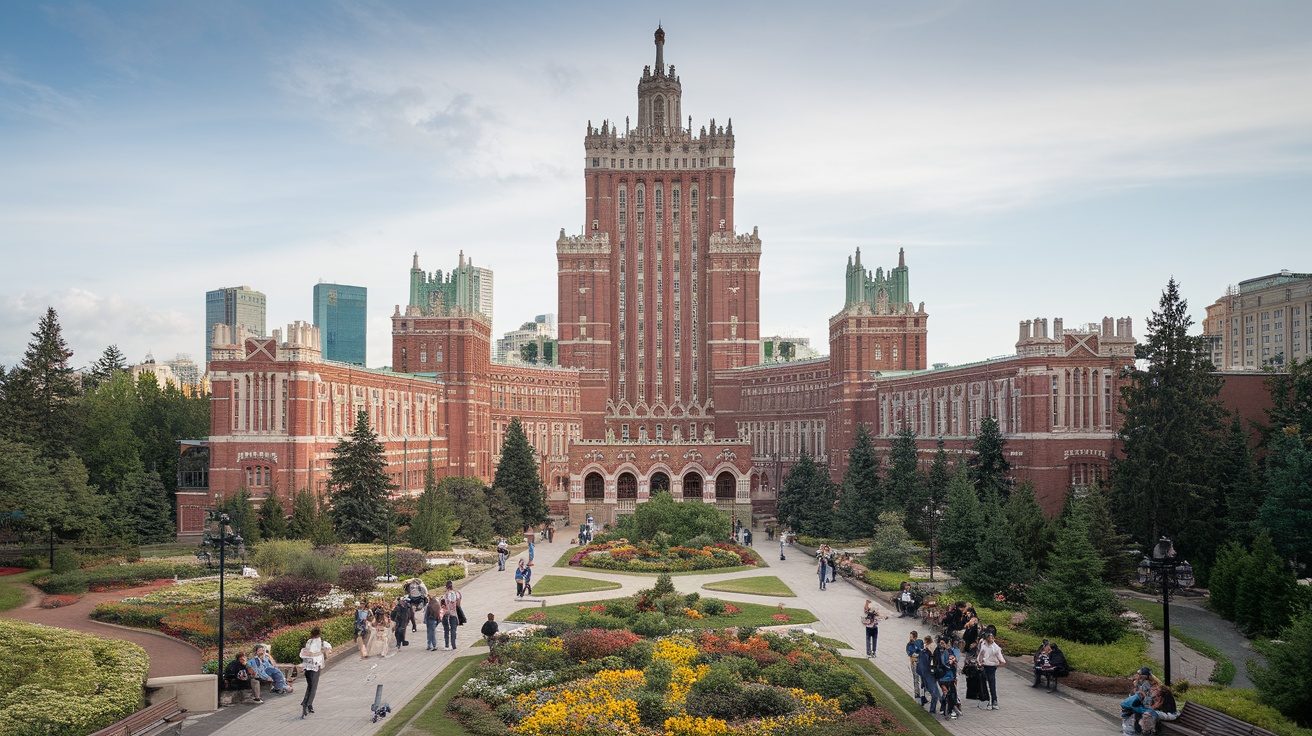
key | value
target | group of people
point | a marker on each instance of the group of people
(1150, 702)
(964, 651)
(825, 560)
(255, 671)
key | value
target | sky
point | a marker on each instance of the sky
(1034, 159)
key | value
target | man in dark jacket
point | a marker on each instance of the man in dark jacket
(489, 631)
(401, 616)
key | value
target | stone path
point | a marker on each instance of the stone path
(1192, 618)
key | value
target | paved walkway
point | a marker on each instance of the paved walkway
(346, 689)
(1189, 616)
(168, 656)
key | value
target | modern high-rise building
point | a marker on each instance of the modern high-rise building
(1263, 324)
(239, 307)
(540, 333)
(341, 314)
(467, 286)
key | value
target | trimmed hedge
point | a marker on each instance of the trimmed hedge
(889, 582)
(436, 578)
(57, 682)
(119, 576)
(285, 646)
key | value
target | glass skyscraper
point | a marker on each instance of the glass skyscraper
(239, 307)
(341, 314)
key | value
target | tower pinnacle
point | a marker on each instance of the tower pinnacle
(660, 50)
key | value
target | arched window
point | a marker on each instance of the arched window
(594, 487)
(726, 487)
(660, 482)
(692, 485)
(642, 197)
(627, 487)
(658, 111)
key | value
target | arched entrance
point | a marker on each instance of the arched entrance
(594, 487)
(660, 482)
(627, 486)
(726, 487)
(692, 485)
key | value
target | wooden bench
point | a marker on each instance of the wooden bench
(162, 717)
(1198, 720)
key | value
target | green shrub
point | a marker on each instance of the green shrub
(620, 607)
(276, 557)
(57, 682)
(886, 580)
(1244, 705)
(66, 560)
(664, 585)
(32, 562)
(316, 566)
(1284, 683)
(653, 708)
(436, 578)
(651, 624)
(67, 583)
(712, 606)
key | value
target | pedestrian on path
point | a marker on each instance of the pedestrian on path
(947, 678)
(384, 631)
(822, 567)
(402, 616)
(914, 649)
(432, 617)
(313, 656)
(925, 672)
(503, 554)
(990, 658)
(520, 573)
(870, 620)
(489, 632)
(452, 598)
(364, 629)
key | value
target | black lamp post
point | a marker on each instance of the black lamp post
(1163, 569)
(932, 514)
(222, 538)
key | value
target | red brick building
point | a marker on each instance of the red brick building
(661, 386)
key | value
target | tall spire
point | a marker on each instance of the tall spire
(416, 262)
(660, 50)
(901, 258)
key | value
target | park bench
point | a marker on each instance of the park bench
(160, 718)
(1198, 720)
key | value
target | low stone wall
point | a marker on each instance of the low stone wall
(195, 693)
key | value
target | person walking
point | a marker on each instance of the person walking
(313, 655)
(914, 651)
(453, 599)
(489, 632)
(364, 630)
(432, 617)
(822, 567)
(401, 616)
(528, 579)
(870, 620)
(990, 658)
(384, 631)
(947, 679)
(925, 672)
(503, 554)
(520, 572)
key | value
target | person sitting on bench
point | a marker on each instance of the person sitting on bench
(267, 670)
(239, 676)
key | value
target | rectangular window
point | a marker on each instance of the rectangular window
(624, 432)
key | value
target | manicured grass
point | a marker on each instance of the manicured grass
(1244, 705)
(907, 710)
(758, 585)
(751, 614)
(168, 549)
(426, 715)
(1117, 659)
(566, 584)
(12, 593)
(885, 580)
(835, 643)
(569, 555)
(1224, 671)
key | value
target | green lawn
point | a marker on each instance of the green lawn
(758, 585)
(1222, 674)
(569, 555)
(12, 594)
(751, 614)
(835, 643)
(566, 584)
(426, 712)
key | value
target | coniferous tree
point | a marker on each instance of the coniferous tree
(1071, 600)
(1240, 491)
(40, 393)
(988, 466)
(359, 487)
(997, 566)
(1265, 592)
(324, 532)
(1165, 483)
(963, 521)
(1286, 683)
(1287, 512)
(29, 493)
(1119, 557)
(435, 519)
(506, 521)
(273, 524)
(1223, 579)
(806, 502)
(926, 523)
(304, 509)
(905, 484)
(517, 475)
(469, 499)
(1291, 401)
(1032, 531)
(110, 362)
(242, 516)
(150, 519)
(858, 507)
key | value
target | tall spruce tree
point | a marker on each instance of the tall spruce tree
(1287, 512)
(806, 501)
(1032, 531)
(517, 475)
(1118, 553)
(110, 362)
(41, 392)
(1291, 401)
(857, 511)
(273, 522)
(469, 498)
(435, 519)
(998, 568)
(1240, 491)
(359, 487)
(988, 466)
(242, 516)
(1265, 591)
(150, 520)
(1071, 599)
(905, 483)
(1173, 419)
(304, 509)
(963, 522)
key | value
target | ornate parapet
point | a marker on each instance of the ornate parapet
(596, 243)
(729, 243)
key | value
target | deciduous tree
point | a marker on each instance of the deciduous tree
(469, 499)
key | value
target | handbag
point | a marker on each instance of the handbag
(460, 615)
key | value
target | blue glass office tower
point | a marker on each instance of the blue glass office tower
(341, 314)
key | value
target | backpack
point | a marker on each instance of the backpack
(938, 668)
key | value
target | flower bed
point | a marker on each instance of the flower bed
(64, 683)
(716, 682)
(628, 556)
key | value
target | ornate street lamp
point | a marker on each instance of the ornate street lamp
(1162, 569)
(932, 516)
(223, 537)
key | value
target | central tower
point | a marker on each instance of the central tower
(658, 292)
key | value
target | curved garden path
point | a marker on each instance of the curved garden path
(346, 688)
(168, 656)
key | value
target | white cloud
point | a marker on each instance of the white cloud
(90, 322)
